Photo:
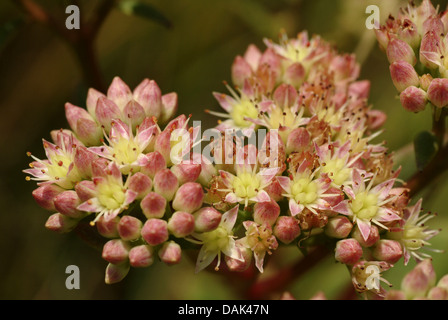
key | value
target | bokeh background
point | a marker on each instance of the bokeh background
(39, 72)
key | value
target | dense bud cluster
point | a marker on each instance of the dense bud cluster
(318, 173)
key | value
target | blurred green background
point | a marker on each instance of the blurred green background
(39, 73)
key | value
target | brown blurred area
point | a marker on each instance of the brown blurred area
(39, 73)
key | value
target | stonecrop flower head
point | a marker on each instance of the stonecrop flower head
(309, 173)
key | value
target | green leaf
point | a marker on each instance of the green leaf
(136, 8)
(425, 147)
(8, 28)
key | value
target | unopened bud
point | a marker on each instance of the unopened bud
(443, 282)
(286, 229)
(241, 70)
(395, 295)
(348, 251)
(338, 227)
(295, 74)
(189, 197)
(67, 202)
(166, 184)
(153, 163)
(134, 112)
(83, 161)
(59, 223)
(236, 265)
(425, 81)
(141, 184)
(119, 92)
(116, 251)
(106, 111)
(186, 172)
(108, 228)
(399, 50)
(359, 89)
(266, 212)
(116, 272)
(413, 99)
(141, 256)
(438, 92)
(170, 253)
(181, 224)
(438, 293)
(275, 190)
(298, 140)
(169, 102)
(153, 205)
(374, 236)
(129, 228)
(206, 219)
(403, 75)
(155, 231)
(387, 250)
(45, 194)
(417, 282)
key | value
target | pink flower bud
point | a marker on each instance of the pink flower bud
(287, 229)
(67, 202)
(438, 293)
(141, 184)
(348, 251)
(285, 96)
(275, 190)
(106, 111)
(83, 161)
(92, 99)
(155, 231)
(85, 190)
(74, 113)
(181, 224)
(266, 212)
(166, 184)
(399, 50)
(169, 102)
(151, 99)
(116, 251)
(134, 111)
(409, 33)
(108, 228)
(45, 194)
(438, 92)
(186, 172)
(206, 219)
(141, 256)
(116, 272)
(415, 284)
(235, 265)
(153, 163)
(425, 81)
(170, 253)
(119, 92)
(374, 236)
(338, 227)
(188, 197)
(387, 250)
(433, 24)
(403, 75)
(395, 295)
(382, 37)
(295, 74)
(241, 70)
(208, 170)
(413, 99)
(59, 223)
(89, 132)
(429, 47)
(129, 228)
(298, 140)
(376, 119)
(428, 269)
(153, 205)
(163, 145)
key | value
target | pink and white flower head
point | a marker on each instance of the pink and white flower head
(59, 167)
(300, 51)
(260, 240)
(240, 107)
(413, 234)
(248, 183)
(337, 162)
(220, 240)
(126, 149)
(111, 195)
(305, 189)
(367, 204)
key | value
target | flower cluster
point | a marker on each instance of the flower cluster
(316, 175)
(416, 44)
